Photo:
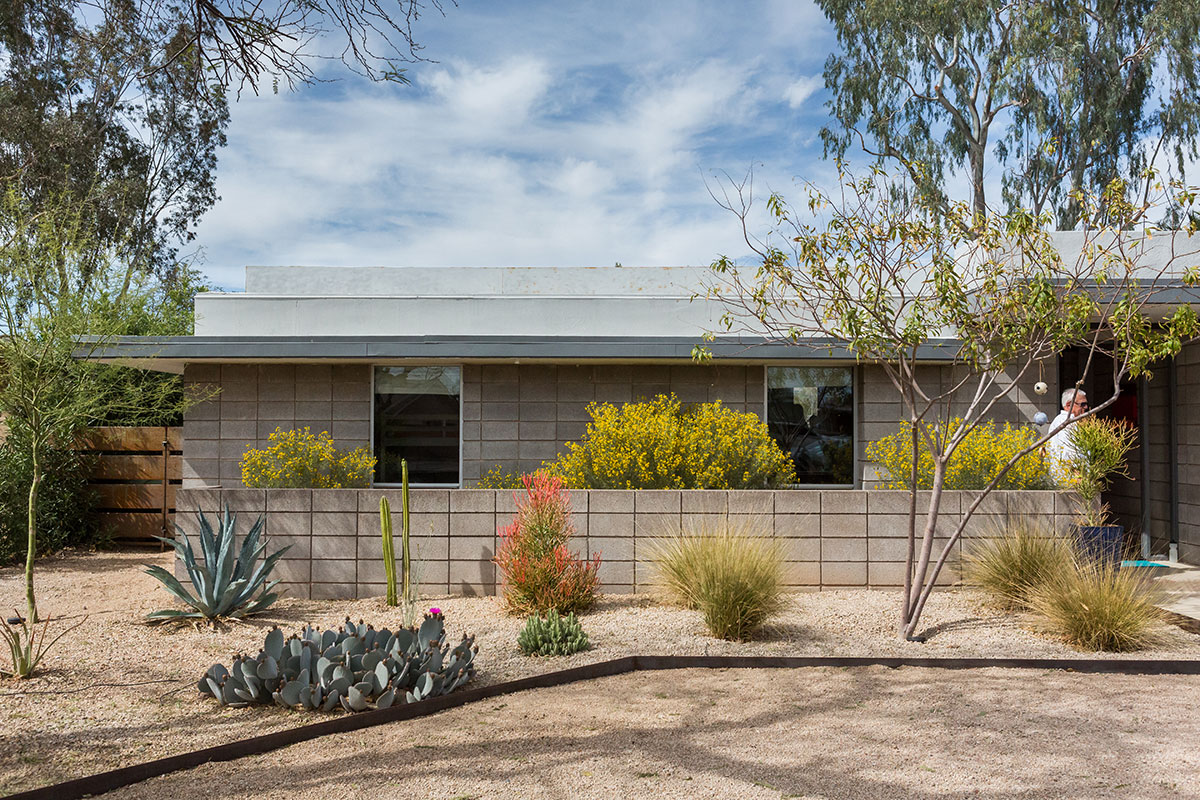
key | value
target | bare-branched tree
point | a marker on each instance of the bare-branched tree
(896, 276)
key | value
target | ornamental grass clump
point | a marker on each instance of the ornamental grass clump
(663, 444)
(731, 573)
(980, 456)
(300, 459)
(1097, 605)
(539, 573)
(1013, 563)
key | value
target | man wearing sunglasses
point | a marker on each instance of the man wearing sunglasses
(1060, 448)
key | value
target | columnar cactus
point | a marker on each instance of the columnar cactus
(355, 667)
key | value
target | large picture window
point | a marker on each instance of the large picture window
(810, 413)
(417, 418)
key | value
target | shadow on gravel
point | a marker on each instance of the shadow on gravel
(869, 733)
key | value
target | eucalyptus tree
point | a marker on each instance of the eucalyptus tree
(888, 273)
(1059, 95)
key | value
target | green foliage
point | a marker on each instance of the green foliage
(1092, 87)
(1097, 605)
(89, 111)
(980, 456)
(552, 635)
(228, 585)
(303, 460)
(28, 644)
(65, 502)
(1012, 564)
(730, 573)
(662, 444)
(153, 308)
(539, 573)
(355, 667)
(1100, 449)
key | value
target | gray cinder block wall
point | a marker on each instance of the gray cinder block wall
(247, 402)
(513, 416)
(517, 416)
(831, 539)
(1187, 378)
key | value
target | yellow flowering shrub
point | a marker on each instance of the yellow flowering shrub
(663, 444)
(499, 478)
(302, 460)
(978, 459)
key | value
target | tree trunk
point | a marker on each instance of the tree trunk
(31, 543)
(979, 201)
(919, 576)
(906, 606)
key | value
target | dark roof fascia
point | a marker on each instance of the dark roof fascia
(354, 348)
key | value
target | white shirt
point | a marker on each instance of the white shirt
(1060, 448)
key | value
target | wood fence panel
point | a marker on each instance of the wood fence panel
(136, 475)
(127, 468)
(135, 496)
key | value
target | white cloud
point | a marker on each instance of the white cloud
(502, 95)
(544, 153)
(803, 89)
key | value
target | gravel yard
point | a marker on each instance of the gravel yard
(869, 733)
(117, 692)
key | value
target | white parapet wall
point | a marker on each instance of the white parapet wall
(646, 302)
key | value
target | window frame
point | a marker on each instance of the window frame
(461, 378)
(855, 387)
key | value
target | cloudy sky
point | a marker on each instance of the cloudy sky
(547, 133)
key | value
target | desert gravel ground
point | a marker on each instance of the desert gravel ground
(117, 692)
(868, 733)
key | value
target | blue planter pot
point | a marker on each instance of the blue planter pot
(1102, 542)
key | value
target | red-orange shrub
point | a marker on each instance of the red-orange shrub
(539, 573)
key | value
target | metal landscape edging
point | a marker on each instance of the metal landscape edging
(126, 776)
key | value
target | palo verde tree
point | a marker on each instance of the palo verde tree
(888, 274)
(1060, 94)
(48, 323)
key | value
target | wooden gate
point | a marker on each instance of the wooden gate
(136, 474)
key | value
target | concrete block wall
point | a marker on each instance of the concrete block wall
(247, 402)
(831, 539)
(517, 416)
(881, 411)
(513, 416)
(1187, 379)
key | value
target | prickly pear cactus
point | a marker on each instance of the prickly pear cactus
(552, 635)
(356, 668)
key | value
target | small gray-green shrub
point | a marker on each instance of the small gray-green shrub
(730, 572)
(1015, 561)
(552, 635)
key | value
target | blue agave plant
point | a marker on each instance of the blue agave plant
(226, 586)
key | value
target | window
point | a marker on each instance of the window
(417, 418)
(810, 413)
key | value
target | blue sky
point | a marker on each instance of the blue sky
(548, 133)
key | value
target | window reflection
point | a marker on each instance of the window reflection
(417, 418)
(810, 413)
